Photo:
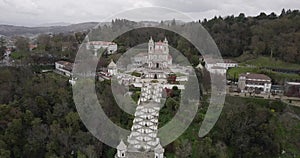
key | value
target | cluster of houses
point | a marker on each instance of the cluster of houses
(158, 54)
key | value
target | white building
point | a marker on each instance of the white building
(219, 66)
(121, 150)
(111, 47)
(251, 82)
(157, 57)
(218, 70)
(64, 67)
(7, 52)
(182, 78)
(158, 54)
(159, 151)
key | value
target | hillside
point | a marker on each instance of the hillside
(272, 35)
(38, 119)
(10, 30)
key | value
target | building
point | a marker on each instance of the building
(227, 63)
(157, 57)
(277, 89)
(158, 54)
(219, 66)
(7, 52)
(292, 89)
(218, 70)
(155, 61)
(64, 68)
(111, 47)
(32, 47)
(251, 82)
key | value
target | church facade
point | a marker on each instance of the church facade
(157, 56)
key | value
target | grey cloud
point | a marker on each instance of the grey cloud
(188, 5)
(35, 12)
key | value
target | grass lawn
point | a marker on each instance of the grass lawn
(17, 55)
(277, 77)
(271, 62)
(254, 66)
(236, 71)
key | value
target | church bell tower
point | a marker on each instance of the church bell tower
(151, 45)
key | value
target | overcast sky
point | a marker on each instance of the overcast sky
(37, 12)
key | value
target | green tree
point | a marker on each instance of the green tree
(22, 44)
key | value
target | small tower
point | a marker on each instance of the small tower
(166, 41)
(87, 42)
(159, 151)
(87, 38)
(122, 149)
(151, 45)
(166, 46)
(112, 68)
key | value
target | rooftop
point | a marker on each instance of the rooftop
(67, 65)
(293, 83)
(256, 76)
(112, 64)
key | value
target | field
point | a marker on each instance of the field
(256, 66)
(272, 63)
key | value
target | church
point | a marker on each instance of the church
(157, 57)
(158, 54)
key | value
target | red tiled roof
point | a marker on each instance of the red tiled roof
(67, 65)
(293, 83)
(159, 43)
(31, 46)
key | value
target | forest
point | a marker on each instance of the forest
(39, 119)
(271, 35)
